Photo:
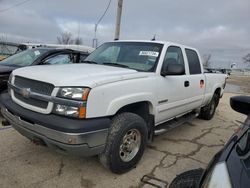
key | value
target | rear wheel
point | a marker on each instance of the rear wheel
(126, 143)
(207, 112)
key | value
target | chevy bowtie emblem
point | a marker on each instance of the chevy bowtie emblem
(25, 92)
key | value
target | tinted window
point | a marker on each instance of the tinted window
(173, 56)
(193, 62)
(82, 57)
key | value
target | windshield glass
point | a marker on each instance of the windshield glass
(24, 58)
(140, 56)
(7, 50)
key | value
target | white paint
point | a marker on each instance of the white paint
(114, 87)
(37, 53)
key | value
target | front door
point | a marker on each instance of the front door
(173, 95)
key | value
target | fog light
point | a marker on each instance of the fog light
(66, 110)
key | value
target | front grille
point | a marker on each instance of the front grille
(34, 85)
(30, 101)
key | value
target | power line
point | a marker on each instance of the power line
(100, 19)
(95, 40)
(13, 6)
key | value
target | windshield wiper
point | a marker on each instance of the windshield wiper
(115, 65)
(90, 62)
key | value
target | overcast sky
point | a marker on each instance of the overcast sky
(219, 27)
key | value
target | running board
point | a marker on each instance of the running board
(169, 125)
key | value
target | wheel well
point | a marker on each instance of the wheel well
(139, 108)
(142, 109)
(218, 91)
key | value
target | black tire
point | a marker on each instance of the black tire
(189, 179)
(111, 158)
(207, 112)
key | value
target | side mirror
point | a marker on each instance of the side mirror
(241, 104)
(173, 69)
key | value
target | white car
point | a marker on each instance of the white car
(115, 102)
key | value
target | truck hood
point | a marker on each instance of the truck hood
(87, 75)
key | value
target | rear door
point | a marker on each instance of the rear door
(195, 78)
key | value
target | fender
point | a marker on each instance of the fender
(122, 101)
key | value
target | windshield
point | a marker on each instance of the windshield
(7, 50)
(140, 56)
(24, 58)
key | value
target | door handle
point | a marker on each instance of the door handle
(186, 83)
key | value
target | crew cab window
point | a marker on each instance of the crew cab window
(59, 59)
(193, 62)
(173, 56)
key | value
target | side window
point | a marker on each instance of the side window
(59, 59)
(83, 57)
(193, 62)
(173, 56)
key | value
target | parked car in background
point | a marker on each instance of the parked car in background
(230, 167)
(9, 48)
(111, 105)
(38, 56)
(81, 48)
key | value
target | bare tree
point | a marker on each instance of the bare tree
(78, 41)
(206, 60)
(65, 38)
(246, 58)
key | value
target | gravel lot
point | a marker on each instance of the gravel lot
(192, 145)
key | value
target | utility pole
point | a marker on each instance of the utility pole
(118, 20)
(95, 40)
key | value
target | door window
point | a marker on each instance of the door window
(59, 59)
(173, 56)
(193, 62)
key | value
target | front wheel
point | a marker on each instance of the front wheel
(126, 143)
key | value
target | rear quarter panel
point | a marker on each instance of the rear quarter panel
(213, 81)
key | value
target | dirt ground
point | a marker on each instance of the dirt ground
(243, 82)
(189, 146)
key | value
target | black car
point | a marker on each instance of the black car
(37, 56)
(230, 167)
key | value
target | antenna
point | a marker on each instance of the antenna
(153, 39)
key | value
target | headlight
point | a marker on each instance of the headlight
(218, 178)
(74, 93)
(77, 112)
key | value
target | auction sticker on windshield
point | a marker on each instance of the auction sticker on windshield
(37, 52)
(149, 53)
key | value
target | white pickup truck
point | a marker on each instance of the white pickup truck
(115, 102)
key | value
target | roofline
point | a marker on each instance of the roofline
(158, 42)
(50, 49)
